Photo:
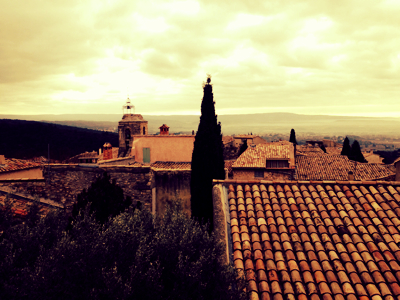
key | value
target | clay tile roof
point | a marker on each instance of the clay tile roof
(170, 165)
(227, 139)
(337, 167)
(256, 156)
(333, 240)
(309, 150)
(13, 164)
(93, 154)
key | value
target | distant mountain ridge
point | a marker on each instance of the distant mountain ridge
(237, 124)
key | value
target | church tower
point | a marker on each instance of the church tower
(131, 124)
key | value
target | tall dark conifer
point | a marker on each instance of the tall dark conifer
(207, 158)
(355, 153)
(292, 138)
(346, 147)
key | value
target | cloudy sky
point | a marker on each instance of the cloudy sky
(338, 57)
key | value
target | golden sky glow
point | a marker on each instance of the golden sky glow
(312, 57)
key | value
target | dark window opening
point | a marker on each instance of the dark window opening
(127, 134)
(259, 173)
(144, 130)
(277, 164)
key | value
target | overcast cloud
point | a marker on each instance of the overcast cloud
(313, 57)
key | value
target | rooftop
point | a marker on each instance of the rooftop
(337, 167)
(14, 164)
(256, 156)
(169, 165)
(326, 240)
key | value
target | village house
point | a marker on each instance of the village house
(134, 140)
(12, 168)
(269, 161)
(249, 138)
(339, 167)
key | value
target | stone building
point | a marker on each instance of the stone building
(130, 125)
(271, 161)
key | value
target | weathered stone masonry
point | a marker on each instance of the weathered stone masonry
(62, 183)
(65, 182)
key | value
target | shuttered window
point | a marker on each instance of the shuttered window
(146, 155)
(277, 164)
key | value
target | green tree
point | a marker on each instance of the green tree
(292, 138)
(134, 256)
(243, 147)
(207, 158)
(355, 153)
(103, 197)
(346, 147)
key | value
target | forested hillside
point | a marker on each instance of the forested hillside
(27, 139)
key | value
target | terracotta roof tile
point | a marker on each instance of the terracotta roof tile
(337, 167)
(318, 241)
(13, 164)
(170, 165)
(256, 156)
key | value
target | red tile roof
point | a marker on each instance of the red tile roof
(337, 167)
(256, 156)
(13, 164)
(170, 165)
(331, 240)
(309, 150)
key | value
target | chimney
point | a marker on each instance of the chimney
(107, 149)
(351, 176)
(226, 173)
(2, 160)
(99, 151)
(164, 130)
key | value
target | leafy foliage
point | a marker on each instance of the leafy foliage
(104, 199)
(207, 159)
(133, 256)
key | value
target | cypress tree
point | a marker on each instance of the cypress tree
(292, 138)
(207, 159)
(346, 147)
(355, 153)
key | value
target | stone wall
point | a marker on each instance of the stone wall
(171, 186)
(62, 183)
(65, 182)
(268, 175)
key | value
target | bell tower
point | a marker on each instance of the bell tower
(130, 126)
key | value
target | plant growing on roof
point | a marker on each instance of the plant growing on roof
(207, 158)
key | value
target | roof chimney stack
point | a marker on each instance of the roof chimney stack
(2, 160)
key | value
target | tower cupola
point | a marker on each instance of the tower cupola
(128, 108)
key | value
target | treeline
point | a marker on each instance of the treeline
(131, 256)
(28, 139)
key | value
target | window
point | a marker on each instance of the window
(259, 173)
(127, 134)
(144, 130)
(146, 155)
(277, 164)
